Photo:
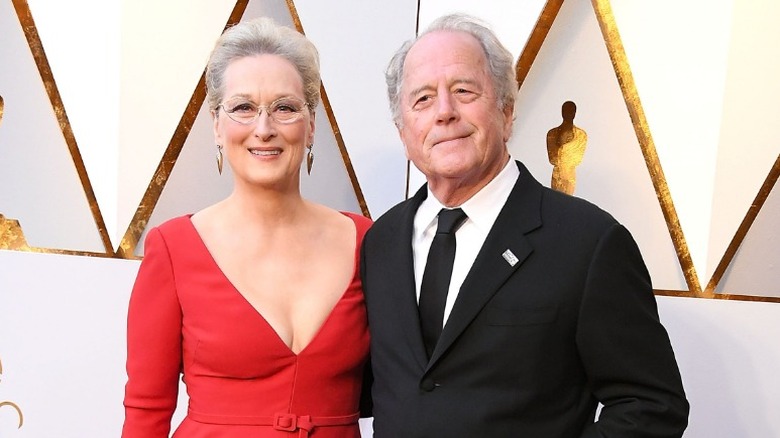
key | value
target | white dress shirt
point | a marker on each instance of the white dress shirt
(482, 210)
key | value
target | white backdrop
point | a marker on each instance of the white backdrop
(126, 70)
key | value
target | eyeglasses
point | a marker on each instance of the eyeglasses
(285, 110)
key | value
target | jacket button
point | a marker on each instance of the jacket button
(427, 385)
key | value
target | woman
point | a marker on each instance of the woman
(255, 299)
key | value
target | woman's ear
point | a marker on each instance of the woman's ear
(312, 126)
(216, 125)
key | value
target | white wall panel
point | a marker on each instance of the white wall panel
(356, 43)
(512, 20)
(84, 55)
(749, 141)
(755, 269)
(62, 330)
(680, 75)
(728, 356)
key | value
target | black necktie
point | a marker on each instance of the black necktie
(436, 278)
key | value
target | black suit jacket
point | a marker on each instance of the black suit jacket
(528, 350)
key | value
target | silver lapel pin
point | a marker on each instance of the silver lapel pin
(510, 257)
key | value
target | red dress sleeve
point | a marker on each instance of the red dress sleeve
(154, 347)
(362, 224)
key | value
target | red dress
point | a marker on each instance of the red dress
(242, 380)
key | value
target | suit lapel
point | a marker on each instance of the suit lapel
(491, 269)
(406, 294)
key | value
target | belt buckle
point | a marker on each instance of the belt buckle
(285, 422)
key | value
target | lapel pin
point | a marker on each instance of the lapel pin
(510, 258)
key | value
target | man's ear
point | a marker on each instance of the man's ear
(509, 121)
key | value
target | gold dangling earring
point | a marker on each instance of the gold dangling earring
(219, 159)
(309, 159)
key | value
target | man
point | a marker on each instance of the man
(549, 308)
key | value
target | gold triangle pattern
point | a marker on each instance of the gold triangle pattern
(739, 237)
(36, 47)
(11, 235)
(622, 70)
(536, 39)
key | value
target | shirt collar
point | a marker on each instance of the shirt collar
(482, 208)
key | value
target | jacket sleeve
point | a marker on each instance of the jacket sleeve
(154, 349)
(626, 351)
(366, 401)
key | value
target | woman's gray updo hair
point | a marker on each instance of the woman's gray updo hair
(262, 36)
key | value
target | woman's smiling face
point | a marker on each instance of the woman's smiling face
(265, 151)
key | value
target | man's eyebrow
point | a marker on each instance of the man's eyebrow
(419, 90)
(466, 81)
(456, 82)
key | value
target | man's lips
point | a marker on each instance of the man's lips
(448, 139)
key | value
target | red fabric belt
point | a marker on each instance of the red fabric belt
(284, 421)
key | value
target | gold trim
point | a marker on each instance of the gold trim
(625, 78)
(536, 39)
(18, 411)
(12, 404)
(41, 61)
(674, 293)
(731, 297)
(758, 298)
(344, 153)
(11, 237)
(126, 249)
(747, 222)
(334, 125)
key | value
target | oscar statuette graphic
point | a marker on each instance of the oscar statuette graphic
(565, 149)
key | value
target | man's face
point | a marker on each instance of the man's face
(451, 124)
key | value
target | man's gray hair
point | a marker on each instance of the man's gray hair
(500, 61)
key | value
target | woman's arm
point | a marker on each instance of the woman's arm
(154, 350)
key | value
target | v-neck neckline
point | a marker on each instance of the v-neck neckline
(256, 311)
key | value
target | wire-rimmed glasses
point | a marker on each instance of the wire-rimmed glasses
(284, 110)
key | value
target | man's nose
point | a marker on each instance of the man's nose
(446, 110)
